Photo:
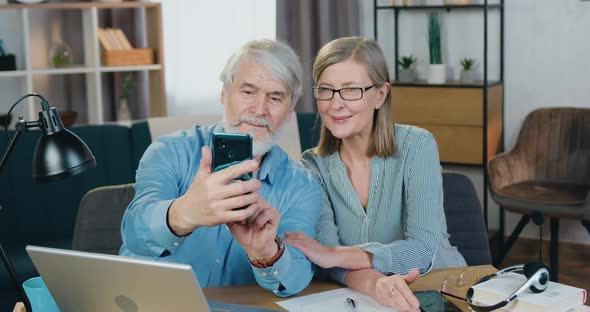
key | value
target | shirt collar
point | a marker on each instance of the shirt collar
(271, 163)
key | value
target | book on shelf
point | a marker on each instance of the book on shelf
(557, 297)
(113, 39)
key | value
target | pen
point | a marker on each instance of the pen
(350, 303)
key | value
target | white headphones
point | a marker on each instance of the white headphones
(537, 275)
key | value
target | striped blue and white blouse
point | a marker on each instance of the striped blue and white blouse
(404, 224)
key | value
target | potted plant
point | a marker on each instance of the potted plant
(407, 73)
(123, 112)
(437, 70)
(467, 72)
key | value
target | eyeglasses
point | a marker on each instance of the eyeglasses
(456, 285)
(347, 94)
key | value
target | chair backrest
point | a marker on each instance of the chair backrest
(98, 224)
(555, 143)
(465, 223)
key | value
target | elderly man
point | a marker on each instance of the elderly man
(184, 212)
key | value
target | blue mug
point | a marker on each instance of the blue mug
(39, 296)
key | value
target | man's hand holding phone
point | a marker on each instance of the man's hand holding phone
(257, 236)
(212, 199)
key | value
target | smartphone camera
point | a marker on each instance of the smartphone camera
(222, 144)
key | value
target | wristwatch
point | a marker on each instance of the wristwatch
(265, 263)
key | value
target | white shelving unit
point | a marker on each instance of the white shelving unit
(40, 24)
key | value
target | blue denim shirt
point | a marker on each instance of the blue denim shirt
(167, 170)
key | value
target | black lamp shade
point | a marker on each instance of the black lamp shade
(60, 154)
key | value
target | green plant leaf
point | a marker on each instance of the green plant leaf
(434, 38)
(467, 63)
(406, 61)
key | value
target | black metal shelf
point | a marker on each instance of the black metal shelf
(448, 84)
(484, 10)
(438, 7)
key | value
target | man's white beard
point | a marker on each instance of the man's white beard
(260, 146)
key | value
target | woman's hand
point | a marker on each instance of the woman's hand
(393, 291)
(317, 253)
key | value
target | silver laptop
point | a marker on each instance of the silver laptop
(83, 281)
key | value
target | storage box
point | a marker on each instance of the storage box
(7, 62)
(128, 57)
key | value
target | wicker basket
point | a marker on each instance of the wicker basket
(128, 57)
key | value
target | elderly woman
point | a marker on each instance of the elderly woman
(382, 221)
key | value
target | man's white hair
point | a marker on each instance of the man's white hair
(277, 57)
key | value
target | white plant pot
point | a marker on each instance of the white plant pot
(437, 73)
(123, 112)
(467, 76)
(407, 75)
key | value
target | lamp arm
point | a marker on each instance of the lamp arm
(21, 126)
(8, 149)
(44, 106)
(5, 259)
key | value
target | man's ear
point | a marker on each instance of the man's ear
(222, 97)
(291, 113)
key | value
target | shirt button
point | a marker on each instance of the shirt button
(275, 291)
(175, 243)
(276, 273)
(264, 274)
(217, 260)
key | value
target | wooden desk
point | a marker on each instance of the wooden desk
(254, 295)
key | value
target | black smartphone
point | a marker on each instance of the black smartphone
(229, 149)
(434, 301)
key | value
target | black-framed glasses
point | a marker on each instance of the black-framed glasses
(347, 94)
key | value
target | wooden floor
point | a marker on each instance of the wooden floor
(574, 260)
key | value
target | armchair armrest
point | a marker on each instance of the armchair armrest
(508, 168)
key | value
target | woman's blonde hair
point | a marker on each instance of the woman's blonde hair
(368, 53)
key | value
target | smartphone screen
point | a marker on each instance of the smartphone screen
(230, 149)
(431, 301)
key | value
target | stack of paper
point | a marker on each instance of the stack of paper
(333, 301)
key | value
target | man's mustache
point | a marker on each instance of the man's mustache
(265, 122)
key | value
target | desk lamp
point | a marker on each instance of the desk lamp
(59, 154)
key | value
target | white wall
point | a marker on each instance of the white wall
(546, 64)
(199, 36)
